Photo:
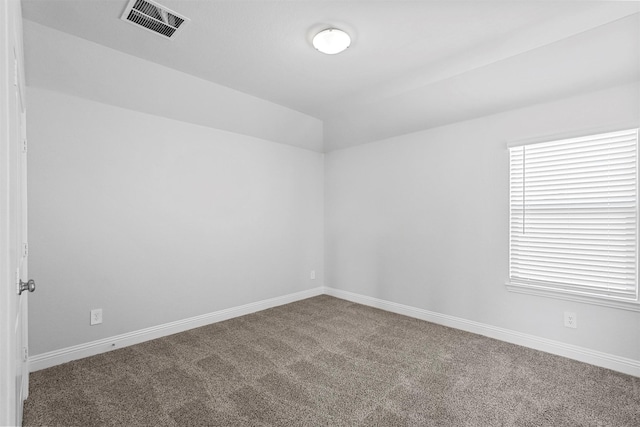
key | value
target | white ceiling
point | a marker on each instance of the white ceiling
(402, 54)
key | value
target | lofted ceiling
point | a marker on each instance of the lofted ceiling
(411, 65)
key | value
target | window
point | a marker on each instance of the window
(573, 217)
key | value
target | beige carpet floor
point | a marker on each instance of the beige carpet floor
(328, 362)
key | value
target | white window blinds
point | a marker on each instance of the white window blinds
(573, 215)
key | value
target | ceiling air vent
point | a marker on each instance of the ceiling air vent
(154, 17)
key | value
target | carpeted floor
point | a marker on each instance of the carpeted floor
(328, 362)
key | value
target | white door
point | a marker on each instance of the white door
(13, 218)
(20, 330)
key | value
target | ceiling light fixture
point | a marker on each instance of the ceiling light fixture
(331, 41)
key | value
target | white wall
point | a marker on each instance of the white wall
(155, 220)
(422, 220)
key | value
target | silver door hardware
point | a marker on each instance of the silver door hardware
(27, 286)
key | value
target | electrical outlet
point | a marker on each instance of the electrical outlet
(312, 276)
(570, 320)
(96, 316)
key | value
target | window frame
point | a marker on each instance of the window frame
(525, 287)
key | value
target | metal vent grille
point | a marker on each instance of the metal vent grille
(154, 17)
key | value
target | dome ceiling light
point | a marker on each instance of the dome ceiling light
(331, 41)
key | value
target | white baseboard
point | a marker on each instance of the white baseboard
(605, 360)
(58, 357)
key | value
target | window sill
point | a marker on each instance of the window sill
(588, 299)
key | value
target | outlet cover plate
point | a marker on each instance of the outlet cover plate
(570, 320)
(96, 316)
